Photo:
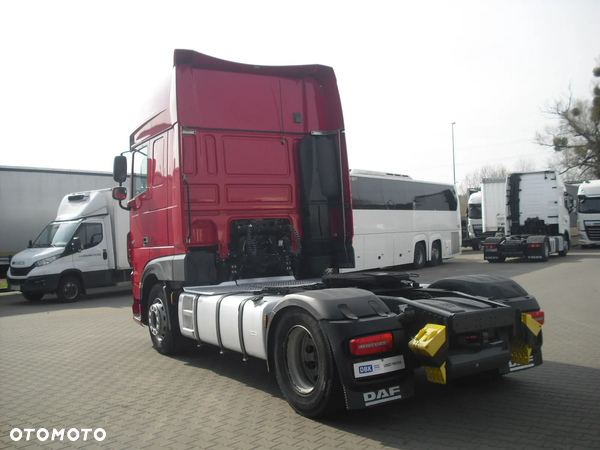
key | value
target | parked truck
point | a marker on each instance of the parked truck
(588, 210)
(472, 235)
(83, 247)
(536, 219)
(241, 201)
(20, 218)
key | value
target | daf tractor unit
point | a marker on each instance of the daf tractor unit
(536, 221)
(588, 213)
(240, 203)
(84, 247)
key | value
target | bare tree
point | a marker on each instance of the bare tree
(524, 165)
(472, 180)
(576, 138)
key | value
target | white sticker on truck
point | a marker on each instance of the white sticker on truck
(378, 366)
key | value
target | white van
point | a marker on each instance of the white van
(84, 247)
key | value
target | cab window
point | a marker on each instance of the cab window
(89, 234)
(140, 171)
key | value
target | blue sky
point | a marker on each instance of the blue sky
(75, 76)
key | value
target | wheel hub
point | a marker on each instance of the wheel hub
(302, 360)
(70, 290)
(157, 320)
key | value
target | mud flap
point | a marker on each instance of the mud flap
(390, 391)
(525, 348)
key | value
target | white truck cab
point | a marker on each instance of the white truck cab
(84, 247)
(588, 213)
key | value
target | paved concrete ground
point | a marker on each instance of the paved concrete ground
(87, 365)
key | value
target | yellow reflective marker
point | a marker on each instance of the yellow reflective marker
(436, 374)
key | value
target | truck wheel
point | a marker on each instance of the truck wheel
(477, 246)
(159, 324)
(69, 289)
(304, 366)
(566, 248)
(420, 256)
(545, 250)
(436, 255)
(32, 297)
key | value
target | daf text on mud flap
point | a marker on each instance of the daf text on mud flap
(382, 396)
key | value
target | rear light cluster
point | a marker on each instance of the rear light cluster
(377, 343)
(539, 317)
(488, 246)
(534, 245)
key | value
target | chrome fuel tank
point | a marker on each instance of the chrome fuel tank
(230, 316)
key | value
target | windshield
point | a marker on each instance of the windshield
(589, 205)
(56, 234)
(475, 211)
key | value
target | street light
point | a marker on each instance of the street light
(453, 160)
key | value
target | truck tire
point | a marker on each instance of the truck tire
(420, 257)
(69, 289)
(436, 255)
(305, 367)
(477, 246)
(32, 297)
(567, 247)
(545, 250)
(159, 323)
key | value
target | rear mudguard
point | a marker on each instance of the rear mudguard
(347, 313)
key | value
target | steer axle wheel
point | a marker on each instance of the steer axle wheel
(305, 367)
(69, 289)
(158, 321)
(163, 324)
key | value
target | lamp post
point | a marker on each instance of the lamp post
(453, 160)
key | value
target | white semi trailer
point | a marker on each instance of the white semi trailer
(28, 202)
(493, 206)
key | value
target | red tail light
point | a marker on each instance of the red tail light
(539, 317)
(488, 246)
(534, 245)
(378, 343)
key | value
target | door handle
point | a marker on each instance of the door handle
(146, 241)
(104, 254)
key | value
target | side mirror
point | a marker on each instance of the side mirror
(120, 169)
(76, 245)
(119, 193)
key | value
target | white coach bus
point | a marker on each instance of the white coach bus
(398, 220)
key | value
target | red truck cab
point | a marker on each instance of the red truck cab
(240, 171)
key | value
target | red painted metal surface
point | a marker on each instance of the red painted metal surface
(232, 130)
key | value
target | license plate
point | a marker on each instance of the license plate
(515, 367)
